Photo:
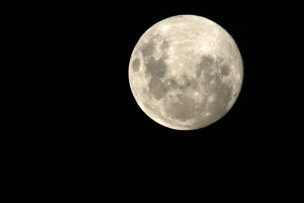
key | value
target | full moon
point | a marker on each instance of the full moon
(186, 72)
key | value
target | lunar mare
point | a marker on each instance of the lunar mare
(186, 72)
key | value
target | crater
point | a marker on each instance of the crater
(234, 94)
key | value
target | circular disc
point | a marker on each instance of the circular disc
(186, 72)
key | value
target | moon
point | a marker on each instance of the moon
(186, 72)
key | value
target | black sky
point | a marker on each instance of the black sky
(73, 130)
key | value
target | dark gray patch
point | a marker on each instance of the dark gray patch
(185, 108)
(164, 45)
(157, 69)
(135, 65)
(207, 65)
(157, 88)
(223, 96)
(222, 91)
(225, 70)
(187, 84)
(147, 48)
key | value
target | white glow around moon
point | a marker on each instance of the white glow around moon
(186, 72)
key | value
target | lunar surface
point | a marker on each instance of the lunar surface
(186, 72)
